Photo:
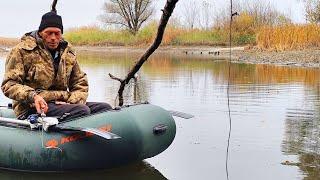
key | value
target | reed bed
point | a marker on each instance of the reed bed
(289, 37)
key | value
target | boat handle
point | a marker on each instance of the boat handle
(160, 129)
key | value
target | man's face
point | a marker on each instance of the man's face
(51, 37)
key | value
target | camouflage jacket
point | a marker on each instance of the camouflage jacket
(29, 70)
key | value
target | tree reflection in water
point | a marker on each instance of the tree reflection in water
(302, 137)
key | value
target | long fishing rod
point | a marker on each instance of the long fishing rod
(228, 87)
(7, 106)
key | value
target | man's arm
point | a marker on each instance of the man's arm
(12, 85)
(78, 86)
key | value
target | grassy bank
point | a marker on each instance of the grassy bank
(173, 37)
(278, 38)
(270, 38)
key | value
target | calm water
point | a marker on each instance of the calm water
(275, 118)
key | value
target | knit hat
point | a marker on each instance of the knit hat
(51, 19)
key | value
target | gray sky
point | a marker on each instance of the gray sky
(20, 16)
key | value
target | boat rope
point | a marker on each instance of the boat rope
(228, 86)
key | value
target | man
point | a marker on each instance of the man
(43, 76)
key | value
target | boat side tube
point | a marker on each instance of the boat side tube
(145, 130)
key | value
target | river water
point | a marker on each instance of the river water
(275, 117)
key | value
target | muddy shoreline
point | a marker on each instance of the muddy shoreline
(302, 58)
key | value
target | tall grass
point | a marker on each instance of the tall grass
(289, 37)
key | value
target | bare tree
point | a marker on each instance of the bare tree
(206, 14)
(190, 13)
(312, 8)
(263, 13)
(128, 13)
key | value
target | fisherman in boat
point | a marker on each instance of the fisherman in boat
(42, 75)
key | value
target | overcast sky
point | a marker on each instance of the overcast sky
(20, 16)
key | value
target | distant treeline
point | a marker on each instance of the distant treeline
(258, 25)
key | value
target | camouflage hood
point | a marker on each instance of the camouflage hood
(30, 70)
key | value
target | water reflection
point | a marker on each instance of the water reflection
(302, 137)
(256, 91)
(137, 171)
(174, 67)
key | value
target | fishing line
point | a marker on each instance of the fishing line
(41, 130)
(42, 142)
(228, 86)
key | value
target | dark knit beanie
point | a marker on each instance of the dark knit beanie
(51, 19)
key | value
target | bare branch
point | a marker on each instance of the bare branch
(167, 11)
(113, 20)
(53, 6)
(115, 78)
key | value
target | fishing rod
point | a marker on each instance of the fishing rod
(7, 106)
(51, 124)
(232, 14)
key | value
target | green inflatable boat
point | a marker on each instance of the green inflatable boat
(98, 141)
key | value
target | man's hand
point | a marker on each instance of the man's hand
(40, 103)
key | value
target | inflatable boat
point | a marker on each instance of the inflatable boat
(99, 141)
